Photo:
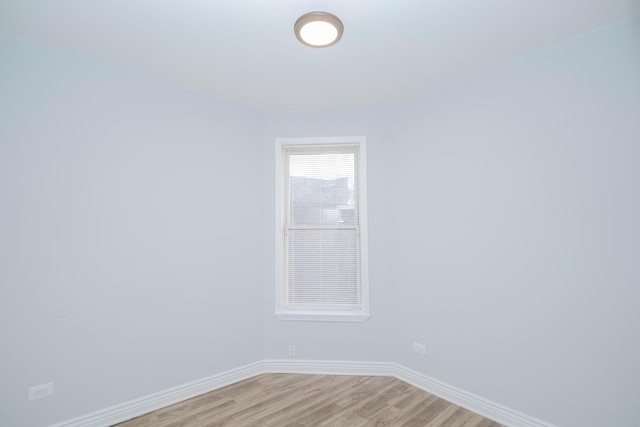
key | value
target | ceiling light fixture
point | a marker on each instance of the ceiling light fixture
(318, 29)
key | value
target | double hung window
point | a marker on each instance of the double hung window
(321, 230)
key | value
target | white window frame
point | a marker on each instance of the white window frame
(330, 315)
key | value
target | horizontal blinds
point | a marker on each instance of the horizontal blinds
(321, 233)
(323, 268)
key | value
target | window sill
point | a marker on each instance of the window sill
(315, 316)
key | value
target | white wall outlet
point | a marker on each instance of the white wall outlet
(292, 350)
(42, 390)
(419, 348)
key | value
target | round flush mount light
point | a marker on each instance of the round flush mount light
(318, 29)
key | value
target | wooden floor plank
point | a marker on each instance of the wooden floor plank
(296, 400)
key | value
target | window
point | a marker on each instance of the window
(321, 229)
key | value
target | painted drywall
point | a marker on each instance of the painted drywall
(131, 209)
(515, 250)
(503, 233)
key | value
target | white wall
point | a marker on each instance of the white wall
(516, 251)
(135, 206)
(504, 233)
(503, 221)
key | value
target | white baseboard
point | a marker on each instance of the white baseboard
(134, 408)
(470, 401)
(327, 367)
(479, 405)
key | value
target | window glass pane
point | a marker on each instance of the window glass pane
(322, 189)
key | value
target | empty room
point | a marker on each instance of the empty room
(320, 213)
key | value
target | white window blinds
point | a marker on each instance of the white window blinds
(322, 268)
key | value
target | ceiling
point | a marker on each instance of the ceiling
(245, 51)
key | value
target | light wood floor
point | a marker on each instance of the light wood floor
(292, 400)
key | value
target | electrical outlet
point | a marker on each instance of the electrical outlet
(419, 348)
(292, 350)
(42, 390)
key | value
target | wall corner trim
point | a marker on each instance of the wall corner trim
(141, 406)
